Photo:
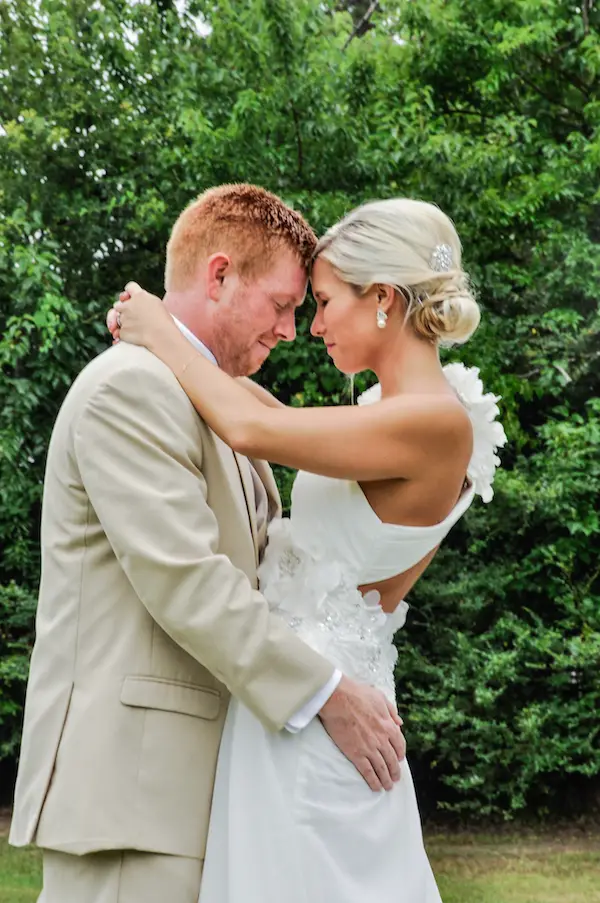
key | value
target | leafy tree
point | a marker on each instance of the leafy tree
(115, 115)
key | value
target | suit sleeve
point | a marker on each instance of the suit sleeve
(140, 464)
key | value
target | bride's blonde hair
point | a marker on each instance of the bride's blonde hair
(397, 242)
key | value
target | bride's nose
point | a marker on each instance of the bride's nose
(316, 327)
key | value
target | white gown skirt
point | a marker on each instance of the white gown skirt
(293, 822)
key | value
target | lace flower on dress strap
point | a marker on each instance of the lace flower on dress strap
(488, 433)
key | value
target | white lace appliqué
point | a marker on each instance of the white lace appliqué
(488, 433)
(318, 598)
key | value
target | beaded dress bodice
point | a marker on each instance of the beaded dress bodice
(334, 542)
(315, 560)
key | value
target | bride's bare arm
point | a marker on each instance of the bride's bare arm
(391, 439)
(263, 395)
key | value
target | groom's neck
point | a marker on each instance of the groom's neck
(185, 309)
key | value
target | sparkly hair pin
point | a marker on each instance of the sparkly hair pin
(441, 259)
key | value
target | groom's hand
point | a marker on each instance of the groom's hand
(366, 728)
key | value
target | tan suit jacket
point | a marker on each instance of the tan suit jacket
(148, 618)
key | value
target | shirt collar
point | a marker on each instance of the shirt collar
(195, 341)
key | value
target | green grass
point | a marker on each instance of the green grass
(20, 874)
(481, 869)
(469, 869)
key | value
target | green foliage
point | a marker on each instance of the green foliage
(500, 668)
(17, 607)
(116, 114)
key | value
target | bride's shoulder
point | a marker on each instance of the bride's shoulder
(443, 420)
(435, 415)
(466, 416)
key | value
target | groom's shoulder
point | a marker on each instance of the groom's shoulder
(126, 374)
(123, 359)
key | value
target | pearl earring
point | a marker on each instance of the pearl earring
(381, 318)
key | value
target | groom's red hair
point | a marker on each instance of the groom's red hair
(246, 222)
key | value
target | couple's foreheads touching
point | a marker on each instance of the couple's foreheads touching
(239, 259)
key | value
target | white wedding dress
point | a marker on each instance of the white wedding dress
(292, 820)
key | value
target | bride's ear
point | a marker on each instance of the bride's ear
(385, 295)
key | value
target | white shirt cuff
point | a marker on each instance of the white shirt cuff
(305, 715)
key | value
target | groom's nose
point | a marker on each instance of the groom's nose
(285, 328)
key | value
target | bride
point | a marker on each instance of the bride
(379, 486)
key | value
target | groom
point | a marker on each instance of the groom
(149, 614)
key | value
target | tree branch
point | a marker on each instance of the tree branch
(300, 152)
(364, 21)
(535, 372)
(452, 111)
(551, 100)
(586, 8)
(571, 77)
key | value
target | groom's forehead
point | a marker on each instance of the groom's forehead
(290, 282)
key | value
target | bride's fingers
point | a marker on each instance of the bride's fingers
(124, 296)
(111, 322)
(132, 288)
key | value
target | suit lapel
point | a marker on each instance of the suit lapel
(246, 478)
(265, 474)
(238, 468)
(239, 474)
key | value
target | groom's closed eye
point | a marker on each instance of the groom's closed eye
(283, 306)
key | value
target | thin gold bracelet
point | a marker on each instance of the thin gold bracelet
(187, 364)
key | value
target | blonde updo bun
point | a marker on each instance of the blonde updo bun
(393, 242)
(448, 314)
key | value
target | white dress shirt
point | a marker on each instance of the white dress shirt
(310, 709)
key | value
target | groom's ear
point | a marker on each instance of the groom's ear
(218, 267)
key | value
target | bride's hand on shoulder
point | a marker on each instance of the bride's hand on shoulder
(140, 318)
